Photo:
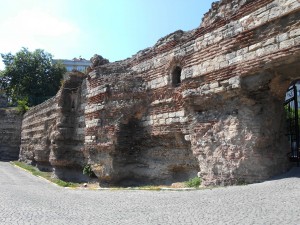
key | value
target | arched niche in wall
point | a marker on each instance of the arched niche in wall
(174, 71)
(176, 76)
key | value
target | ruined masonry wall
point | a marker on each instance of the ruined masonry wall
(36, 129)
(209, 111)
(10, 130)
(223, 122)
(53, 132)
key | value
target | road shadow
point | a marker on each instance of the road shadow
(294, 172)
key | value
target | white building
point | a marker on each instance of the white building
(78, 64)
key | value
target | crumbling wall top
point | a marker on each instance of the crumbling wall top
(223, 10)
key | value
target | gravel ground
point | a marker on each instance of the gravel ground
(26, 199)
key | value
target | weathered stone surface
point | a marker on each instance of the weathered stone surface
(10, 130)
(98, 60)
(53, 132)
(136, 121)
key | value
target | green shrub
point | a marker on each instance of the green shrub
(64, 183)
(25, 166)
(87, 170)
(193, 182)
(22, 106)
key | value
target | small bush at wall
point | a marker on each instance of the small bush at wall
(193, 182)
(22, 106)
(87, 170)
(64, 183)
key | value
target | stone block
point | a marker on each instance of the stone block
(155, 122)
(210, 68)
(234, 80)
(165, 116)
(286, 44)
(282, 37)
(224, 64)
(235, 86)
(162, 121)
(224, 83)
(175, 120)
(242, 52)
(274, 13)
(202, 70)
(219, 89)
(231, 55)
(297, 41)
(295, 33)
(271, 48)
(250, 56)
(262, 17)
(214, 85)
(294, 4)
(169, 120)
(183, 119)
(270, 41)
(289, 2)
(235, 60)
(173, 114)
(187, 137)
(179, 113)
(260, 52)
(254, 47)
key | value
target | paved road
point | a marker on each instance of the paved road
(25, 199)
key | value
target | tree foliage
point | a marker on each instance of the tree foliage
(30, 75)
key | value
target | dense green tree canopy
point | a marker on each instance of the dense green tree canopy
(30, 75)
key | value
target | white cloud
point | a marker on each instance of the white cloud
(34, 28)
(34, 22)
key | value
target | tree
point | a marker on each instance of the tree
(30, 75)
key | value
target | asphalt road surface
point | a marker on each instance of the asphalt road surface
(26, 199)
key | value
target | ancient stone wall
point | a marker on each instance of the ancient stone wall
(53, 132)
(207, 102)
(225, 107)
(10, 130)
(120, 145)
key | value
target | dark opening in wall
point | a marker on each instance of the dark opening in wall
(141, 160)
(176, 76)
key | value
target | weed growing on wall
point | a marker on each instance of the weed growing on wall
(193, 182)
(87, 170)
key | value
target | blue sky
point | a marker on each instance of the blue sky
(115, 29)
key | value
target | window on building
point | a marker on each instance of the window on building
(176, 76)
